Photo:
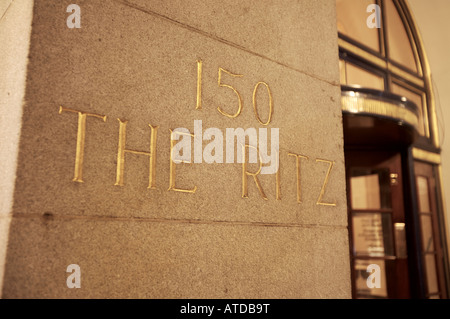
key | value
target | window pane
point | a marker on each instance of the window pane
(416, 99)
(365, 192)
(361, 77)
(430, 265)
(351, 21)
(372, 234)
(400, 240)
(370, 189)
(424, 197)
(399, 46)
(361, 275)
(427, 233)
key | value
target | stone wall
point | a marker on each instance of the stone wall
(138, 226)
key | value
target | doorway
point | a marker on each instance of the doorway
(377, 224)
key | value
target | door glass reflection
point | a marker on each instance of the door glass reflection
(424, 197)
(430, 268)
(372, 234)
(427, 233)
(370, 189)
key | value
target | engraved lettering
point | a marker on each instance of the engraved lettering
(325, 183)
(246, 173)
(234, 90)
(199, 85)
(181, 152)
(81, 137)
(273, 159)
(269, 119)
(278, 181)
(173, 162)
(298, 157)
(122, 150)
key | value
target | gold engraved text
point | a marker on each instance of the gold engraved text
(199, 85)
(327, 177)
(278, 181)
(246, 173)
(173, 164)
(270, 103)
(122, 150)
(298, 157)
(234, 90)
(81, 137)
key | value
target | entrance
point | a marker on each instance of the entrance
(377, 224)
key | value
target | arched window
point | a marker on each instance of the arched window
(392, 152)
(386, 58)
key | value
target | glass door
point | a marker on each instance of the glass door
(432, 247)
(377, 225)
